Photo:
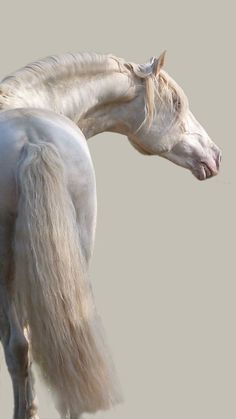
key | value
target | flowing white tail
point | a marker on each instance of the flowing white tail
(53, 290)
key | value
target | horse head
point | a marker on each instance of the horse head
(166, 126)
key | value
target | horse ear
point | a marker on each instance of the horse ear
(158, 63)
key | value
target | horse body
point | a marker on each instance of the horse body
(48, 210)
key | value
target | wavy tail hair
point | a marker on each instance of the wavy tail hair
(53, 291)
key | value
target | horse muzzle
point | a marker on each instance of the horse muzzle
(208, 168)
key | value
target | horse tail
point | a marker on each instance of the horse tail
(53, 291)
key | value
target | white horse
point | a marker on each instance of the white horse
(48, 210)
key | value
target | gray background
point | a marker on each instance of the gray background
(164, 266)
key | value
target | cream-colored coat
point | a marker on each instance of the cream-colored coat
(48, 210)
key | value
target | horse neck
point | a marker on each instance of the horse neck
(102, 104)
(95, 103)
(116, 116)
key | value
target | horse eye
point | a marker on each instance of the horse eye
(177, 104)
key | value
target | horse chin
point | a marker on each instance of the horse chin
(204, 171)
(200, 175)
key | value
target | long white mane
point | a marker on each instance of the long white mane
(47, 81)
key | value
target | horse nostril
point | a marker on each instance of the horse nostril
(219, 158)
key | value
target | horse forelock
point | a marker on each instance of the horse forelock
(169, 92)
(171, 96)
